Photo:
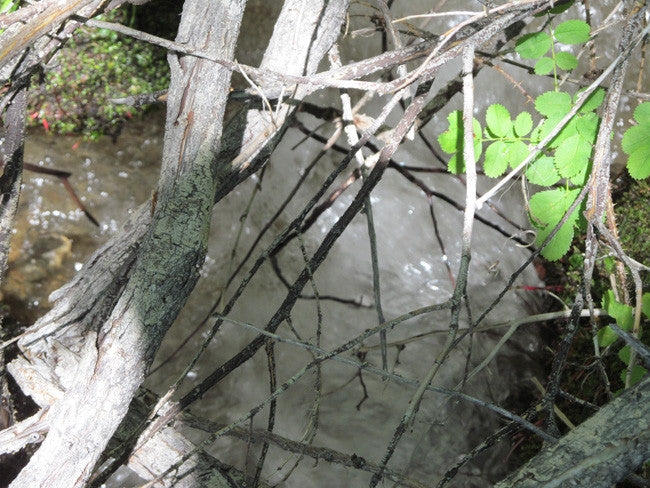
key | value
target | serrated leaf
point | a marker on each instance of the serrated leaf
(581, 177)
(636, 138)
(559, 245)
(455, 166)
(549, 206)
(517, 152)
(572, 32)
(623, 314)
(523, 124)
(638, 164)
(636, 375)
(624, 354)
(451, 140)
(544, 66)
(542, 130)
(534, 45)
(569, 130)
(606, 337)
(553, 103)
(642, 113)
(496, 161)
(542, 172)
(566, 61)
(498, 120)
(587, 126)
(572, 156)
(547, 209)
(593, 100)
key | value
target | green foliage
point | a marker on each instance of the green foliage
(572, 32)
(566, 156)
(95, 65)
(624, 316)
(553, 103)
(547, 209)
(636, 143)
(452, 141)
(533, 46)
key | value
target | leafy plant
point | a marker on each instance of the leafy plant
(97, 64)
(636, 143)
(567, 157)
(624, 316)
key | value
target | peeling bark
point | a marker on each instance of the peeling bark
(119, 347)
(132, 287)
(607, 447)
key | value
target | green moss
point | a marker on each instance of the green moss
(95, 65)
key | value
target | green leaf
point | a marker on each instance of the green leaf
(636, 375)
(635, 138)
(606, 337)
(642, 113)
(547, 209)
(572, 32)
(638, 164)
(553, 103)
(624, 354)
(542, 172)
(533, 46)
(545, 128)
(593, 100)
(449, 141)
(544, 66)
(498, 120)
(566, 61)
(523, 124)
(549, 206)
(569, 130)
(496, 161)
(572, 156)
(636, 143)
(517, 152)
(624, 314)
(559, 245)
(587, 126)
(455, 166)
(582, 176)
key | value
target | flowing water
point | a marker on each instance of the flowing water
(53, 239)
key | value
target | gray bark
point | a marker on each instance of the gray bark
(607, 447)
(121, 345)
(302, 36)
(12, 171)
(54, 344)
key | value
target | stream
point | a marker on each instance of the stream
(53, 238)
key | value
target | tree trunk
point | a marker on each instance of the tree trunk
(304, 33)
(120, 344)
(607, 447)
